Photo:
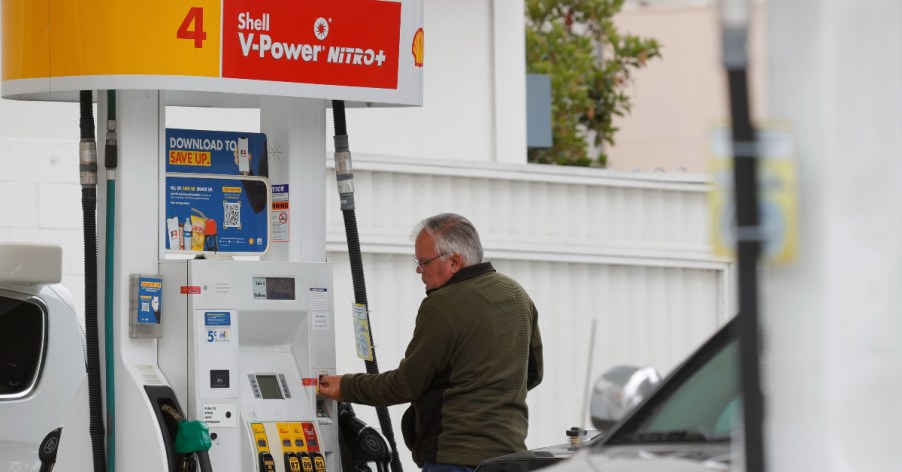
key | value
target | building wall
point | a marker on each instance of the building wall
(474, 93)
(679, 97)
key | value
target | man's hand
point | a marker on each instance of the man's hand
(330, 386)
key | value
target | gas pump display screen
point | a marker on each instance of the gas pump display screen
(269, 387)
(273, 288)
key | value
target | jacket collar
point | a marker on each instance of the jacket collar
(466, 273)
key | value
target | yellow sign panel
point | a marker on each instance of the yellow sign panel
(99, 37)
(286, 437)
(351, 50)
(260, 440)
(777, 194)
(25, 34)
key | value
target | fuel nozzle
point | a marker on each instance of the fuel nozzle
(192, 437)
(370, 445)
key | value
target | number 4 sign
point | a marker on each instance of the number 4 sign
(194, 17)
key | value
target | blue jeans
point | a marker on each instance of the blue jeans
(433, 467)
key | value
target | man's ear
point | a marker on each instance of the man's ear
(457, 262)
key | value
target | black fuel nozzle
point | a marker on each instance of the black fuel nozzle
(370, 444)
(48, 448)
(267, 463)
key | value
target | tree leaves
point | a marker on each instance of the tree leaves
(590, 62)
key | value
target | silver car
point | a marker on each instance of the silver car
(683, 424)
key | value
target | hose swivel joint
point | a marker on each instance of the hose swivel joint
(87, 162)
(344, 174)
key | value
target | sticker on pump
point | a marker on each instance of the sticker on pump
(220, 415)
(217, 325)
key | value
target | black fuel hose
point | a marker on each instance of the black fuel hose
(345, 180)
(749, 237)
(748, 251)
(88, 177)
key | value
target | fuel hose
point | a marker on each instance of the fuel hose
(87, 156)
(110, 159)
(345, 179)
(749, 234)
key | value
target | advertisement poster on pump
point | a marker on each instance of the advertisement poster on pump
(217, 192)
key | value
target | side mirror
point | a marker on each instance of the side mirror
(618, 391)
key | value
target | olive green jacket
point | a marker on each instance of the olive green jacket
(476, 350)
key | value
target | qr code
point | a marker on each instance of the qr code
(232, 216)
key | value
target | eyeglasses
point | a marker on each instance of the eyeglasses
(422, 264)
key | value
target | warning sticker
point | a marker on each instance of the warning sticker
(280, 214)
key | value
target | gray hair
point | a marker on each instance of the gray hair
(452, 233)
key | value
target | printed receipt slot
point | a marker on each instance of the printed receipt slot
(242, 347)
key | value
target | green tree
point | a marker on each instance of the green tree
(576, 43)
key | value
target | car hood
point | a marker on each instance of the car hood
(651, 458)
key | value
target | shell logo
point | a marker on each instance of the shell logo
(321, 28)
(417, 48)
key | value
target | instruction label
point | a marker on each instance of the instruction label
(220, 415)
(217, 325)
(281, 214)
(320, 314)
(362, 333)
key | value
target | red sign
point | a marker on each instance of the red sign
(190, 290)
(329, 42)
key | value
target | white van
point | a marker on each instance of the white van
(42, 356)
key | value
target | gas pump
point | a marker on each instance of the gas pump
(245, 355)
(217, 338)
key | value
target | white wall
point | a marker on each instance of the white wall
(462, 99)
(831, 320)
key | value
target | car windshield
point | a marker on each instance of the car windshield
(700, 406)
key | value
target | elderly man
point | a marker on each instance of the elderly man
(475, 352)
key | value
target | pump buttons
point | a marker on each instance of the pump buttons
(267, 463)
(292, 462)
(319, 463)
(306, 462)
